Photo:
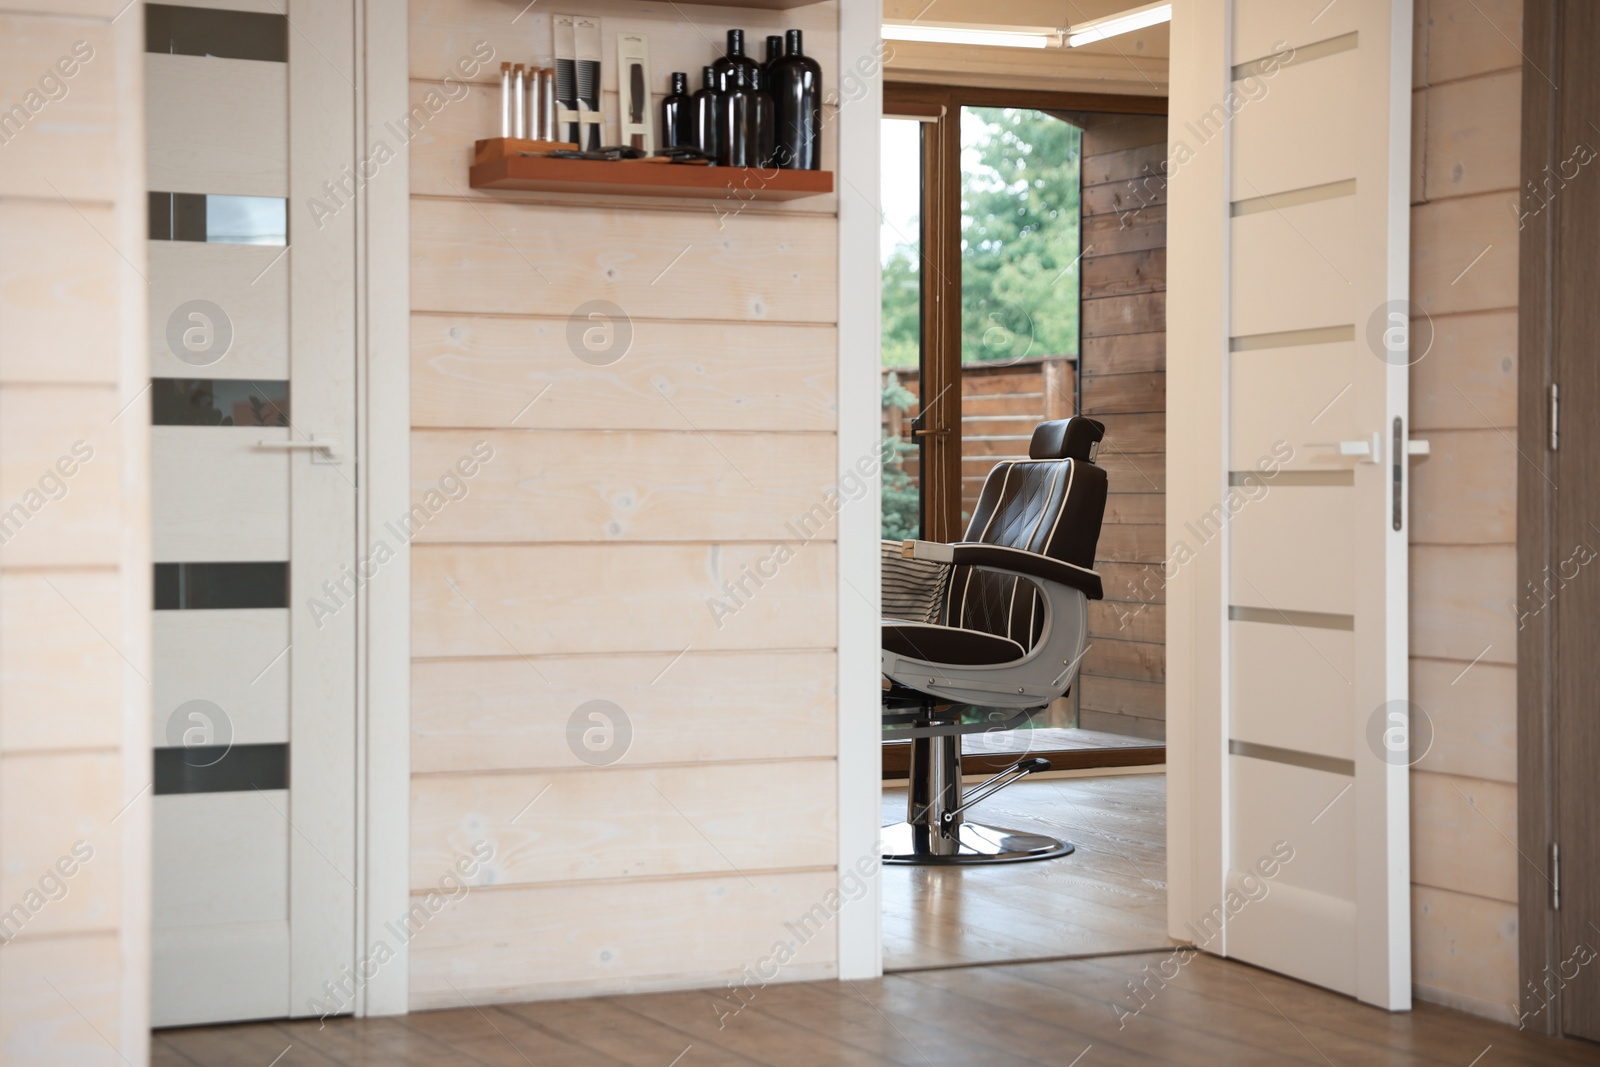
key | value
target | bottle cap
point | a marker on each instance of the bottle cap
(736, 42)
(793, 44)
(680, 83)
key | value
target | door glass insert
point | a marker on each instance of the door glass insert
(900, 346)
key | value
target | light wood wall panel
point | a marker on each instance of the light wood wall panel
(504, 714)
(539, 259)
(1464, 600)
(621, 486)
(74, 549)
(587, 559)
(630, 936)
(625, 823)
(469, 370)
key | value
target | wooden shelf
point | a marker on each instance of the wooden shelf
(602, 177)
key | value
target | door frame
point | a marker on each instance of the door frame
(383, 451)
(1536, 949)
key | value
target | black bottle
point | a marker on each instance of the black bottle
(742, 109)
(774, 52)
(734, 59)
(761, 125)
(677, 114)
(795, 86)
(707, 119)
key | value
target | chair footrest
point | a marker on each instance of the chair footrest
(905, 843)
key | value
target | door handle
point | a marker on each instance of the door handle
(1372, 449)
(323, 449)
(1415, 447)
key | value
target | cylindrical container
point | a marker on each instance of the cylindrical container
(761, 130)
(737, 105)
(535, 105)
(547, 95)
(708, 118)
(774, 51)
(795, 86)
(519, 101)
(734, 59)
(677, 114)
(505, 100)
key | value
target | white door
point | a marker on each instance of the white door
(1288, 362)
(250, 112)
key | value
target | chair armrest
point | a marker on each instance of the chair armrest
(1012, 560)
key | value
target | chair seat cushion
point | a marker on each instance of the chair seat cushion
(948, 644)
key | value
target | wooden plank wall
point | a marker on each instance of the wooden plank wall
(1122, 688)
(1465, 136)
(586, 560)
(74, 537)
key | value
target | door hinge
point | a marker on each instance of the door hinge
(1555, 876)
(1555, 416)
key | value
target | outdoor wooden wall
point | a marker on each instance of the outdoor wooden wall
(74, 538)
(591, 557)
(1122, 688)
(1465, 137)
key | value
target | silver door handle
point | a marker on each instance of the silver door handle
(323, 449)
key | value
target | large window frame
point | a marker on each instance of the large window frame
(938, 427)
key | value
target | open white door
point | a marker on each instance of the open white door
(1286, 510)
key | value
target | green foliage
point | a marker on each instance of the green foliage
(902, 501)
(1020, 228)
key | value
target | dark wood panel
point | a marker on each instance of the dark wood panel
(1125, 393)
(1125, 273)
(1134, 473)
(1140, 313)
(1126, 197)
(1112, 621)
(1147, 508)
(1137, 583)
(1130, 435)
(1124, 165)
(1132, 353)
(1108, 235)
(1124, 696)
(1132, 543)
(1140, 661)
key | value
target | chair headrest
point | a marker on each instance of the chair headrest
(1074, 438)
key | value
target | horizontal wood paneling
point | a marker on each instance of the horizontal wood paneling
(1125, 353)
(1116, 393)
(1131, 660)
(1132, 435)
(1467, 37)
(68, 140)
(626, 936)
(71, 799)
(58, 276)
(624, 823)
(57, 661)
(562, 599)
(469, 370)
(1464, 833)
(565, 485)
(1460, 602)
(1123, 696)
(1109, 621)
(45, 432)
(1107, 235)
(1133, 582)
(38, 1026)
(536, 259)
(1447, 236)
(1473, 710)
(1464, 492)
(1128, 272)
(1468, 380)
(1132, 544)
(1464, 951)
(504, 714)
(1468, 124)
(1121, 165)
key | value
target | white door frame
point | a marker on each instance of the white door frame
(383, 390)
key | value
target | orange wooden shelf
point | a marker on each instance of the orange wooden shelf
(625, 178)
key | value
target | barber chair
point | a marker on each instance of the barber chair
(992, 629)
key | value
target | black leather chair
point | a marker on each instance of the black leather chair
(1002, 619)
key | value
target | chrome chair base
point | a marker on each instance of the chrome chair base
(911, 843)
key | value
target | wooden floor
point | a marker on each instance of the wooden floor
(1108, 896)
(1078, 1013)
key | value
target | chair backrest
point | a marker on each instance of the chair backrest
(1050, 503)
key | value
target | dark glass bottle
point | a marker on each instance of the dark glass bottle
(677, 114)
(761, 128)
(733, 60)
(708, 119)
(774, 52)
(738, 120)
(795, 86)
